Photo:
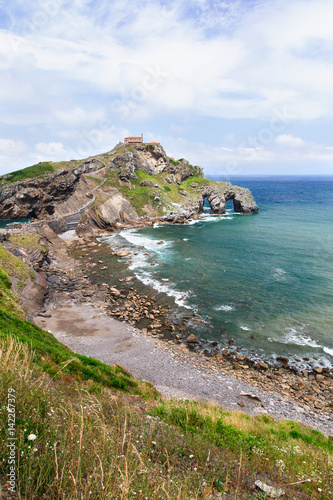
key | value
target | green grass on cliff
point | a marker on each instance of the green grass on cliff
(38, 170)
(144, 196)
(29, 172)
(14, 266)
(29, 242)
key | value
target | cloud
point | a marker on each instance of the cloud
(78, 117)
(52, 149)
(289, 141)
(68, 66)
(253, 61)
(241, 159)
(12, 148)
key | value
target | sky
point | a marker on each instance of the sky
(241, 87)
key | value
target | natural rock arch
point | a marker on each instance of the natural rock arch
(242, 198)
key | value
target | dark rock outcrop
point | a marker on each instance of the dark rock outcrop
(147, 183)
(37, 197)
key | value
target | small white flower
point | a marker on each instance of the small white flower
(32, 437)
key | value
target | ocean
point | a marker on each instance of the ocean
(264, 280)
(6, 222)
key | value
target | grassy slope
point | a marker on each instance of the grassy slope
(28, 242)
(94, 443)
(48, 167)
(14, 267)
(38, 170)
(51, 356)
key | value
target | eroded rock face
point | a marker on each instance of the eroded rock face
(217, 196)
(152, 159)
(37, 197)
(115, 208)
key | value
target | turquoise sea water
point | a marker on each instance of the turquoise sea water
(5, 222)
(265, 280)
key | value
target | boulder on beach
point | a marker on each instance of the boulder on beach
(191, 339)
(122, 253)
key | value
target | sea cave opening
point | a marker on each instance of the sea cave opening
(229, 205)
(206, 206)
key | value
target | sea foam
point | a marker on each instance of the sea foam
(296, 336)
(224, 308)
(328, 351)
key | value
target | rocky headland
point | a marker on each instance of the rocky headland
(129, 184)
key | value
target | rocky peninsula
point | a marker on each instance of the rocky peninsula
(129, 184)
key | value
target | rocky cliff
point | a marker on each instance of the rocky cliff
(122, 185)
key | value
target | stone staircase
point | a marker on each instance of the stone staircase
(72, 221)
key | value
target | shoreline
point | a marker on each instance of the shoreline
(86, 329)
(233, 384)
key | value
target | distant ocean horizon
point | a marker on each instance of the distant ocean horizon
(264, 280)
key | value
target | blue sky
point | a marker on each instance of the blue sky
(239, 86)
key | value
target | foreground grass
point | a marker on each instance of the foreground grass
(101, 444)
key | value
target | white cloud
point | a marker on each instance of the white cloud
(78, 117)
(238, 160)
(68, 66)
(12, 148)
(289, 140)
(52, 150)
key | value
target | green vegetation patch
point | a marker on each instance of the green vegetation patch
(292, 448)
(29, 242)
(8, 299)
(14, 266)
(173, 161)
(38, 170)
(30, 172)
(201, 181)
(56, 359)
